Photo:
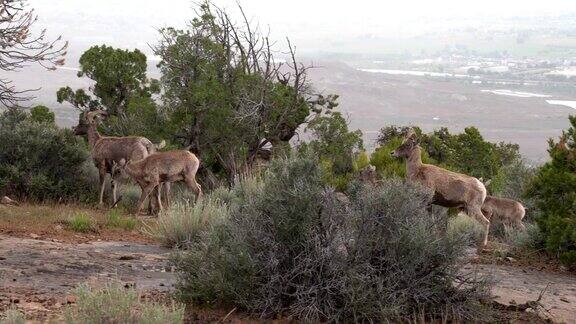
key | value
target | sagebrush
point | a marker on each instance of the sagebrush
(290, 245)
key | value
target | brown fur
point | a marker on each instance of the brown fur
(108, 151)
(451, 189)
(169, 166)
(506, 210)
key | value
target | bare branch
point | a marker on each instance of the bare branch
(19, 47)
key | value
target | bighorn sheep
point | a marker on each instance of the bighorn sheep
(160, 167)
(107, 151)
(506, 210)
(451, 189)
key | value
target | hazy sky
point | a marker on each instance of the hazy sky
(130, 23)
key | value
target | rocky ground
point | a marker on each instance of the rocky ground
(515, 285)
(39, 270)
(37, 275)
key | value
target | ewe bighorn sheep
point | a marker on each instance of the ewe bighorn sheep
(451, 189)
(108, 151)
(161, 167)
(506, 210)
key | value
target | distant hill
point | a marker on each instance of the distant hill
(373, 100)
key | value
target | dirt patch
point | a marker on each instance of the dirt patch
(517, 285)
(505, 254)
(37, 275)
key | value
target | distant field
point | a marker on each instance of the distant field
(373, 100)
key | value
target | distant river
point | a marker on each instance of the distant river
(416, 73)
(568, 103)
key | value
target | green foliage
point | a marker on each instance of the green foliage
(12, 316)
(39, 161)
(339, 150)
(334, 142)
(554, 191)
(116, 219)
(226, 104)
(362, 161)
(291, 246)
(42, 114)
(121, 88)
(115, 304)
(81, 223)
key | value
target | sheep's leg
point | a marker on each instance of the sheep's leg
(152, 206)
(102, 172)
(157, 196)
(476, 212)
(145, 193)
(166, 194)
(113, 185)
(519, 224)
(195, 187)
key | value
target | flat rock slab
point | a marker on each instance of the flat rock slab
(40, 274)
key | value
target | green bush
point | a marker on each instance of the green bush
(554, 192)
(115, 304)
(39, 161)
(81, 223)
(116, 219)
(289, 245)
(12, 316)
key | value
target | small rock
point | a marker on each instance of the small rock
(510, 259)
(161, 284)
(563, 268)
(126, 257)
(34, 236)
(564, 299)
(71, 299)
(7, 201)
(2, 258)
(14, 300)
(130, 285)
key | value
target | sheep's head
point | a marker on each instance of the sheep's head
(87, 119)
(119, 169)
(407, 147)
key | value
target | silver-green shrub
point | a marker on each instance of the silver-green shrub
(292, 246)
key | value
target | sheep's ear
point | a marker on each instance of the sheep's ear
(122, 163)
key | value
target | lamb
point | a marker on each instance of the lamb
(506, 210)
(160, 167)
(107, 151)
(451, 189)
